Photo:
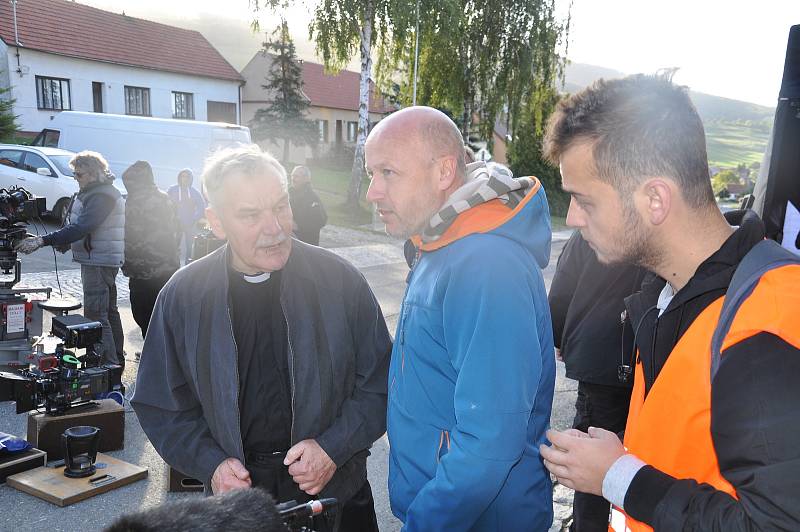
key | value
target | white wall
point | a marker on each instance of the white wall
(82, 73)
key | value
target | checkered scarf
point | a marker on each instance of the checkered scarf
(484, 183)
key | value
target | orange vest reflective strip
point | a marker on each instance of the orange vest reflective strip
(671, 429)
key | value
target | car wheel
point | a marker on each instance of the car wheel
(59, 212)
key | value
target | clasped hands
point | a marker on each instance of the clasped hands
(310, 466)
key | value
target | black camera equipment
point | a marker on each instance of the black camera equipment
(80, 451)
(298, 517)
(204, 243)
(62, 379)
(17, 206)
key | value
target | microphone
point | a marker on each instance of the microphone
(292, 510)
(246, 510)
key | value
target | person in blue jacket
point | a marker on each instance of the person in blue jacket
(472, 370)
(191, 208)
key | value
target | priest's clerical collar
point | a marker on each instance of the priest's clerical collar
(256, 277)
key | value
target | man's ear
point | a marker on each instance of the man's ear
(215, 222)
(659, 195)
(447, 172)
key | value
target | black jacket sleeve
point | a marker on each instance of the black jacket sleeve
(755, 425)
(168, 409)
(363, 415)
(565, 280)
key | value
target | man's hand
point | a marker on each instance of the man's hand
(30, 244)
(558, 355)
(310, 466)
(230, 475)
(580, 461)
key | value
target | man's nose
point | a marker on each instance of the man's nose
(575, 215)
(375, 191)
(271, 224)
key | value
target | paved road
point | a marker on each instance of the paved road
(379, 257)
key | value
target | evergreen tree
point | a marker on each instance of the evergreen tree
(284, 116)
(8, 120)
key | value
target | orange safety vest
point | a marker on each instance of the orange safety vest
(670, 429)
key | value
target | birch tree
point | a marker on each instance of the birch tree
(479, 57)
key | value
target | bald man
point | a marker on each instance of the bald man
(472, 369)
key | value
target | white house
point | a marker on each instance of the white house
(59, 55)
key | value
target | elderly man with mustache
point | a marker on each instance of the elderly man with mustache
(265, 362)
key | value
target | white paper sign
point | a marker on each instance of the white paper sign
(791, 228)
(15, 318)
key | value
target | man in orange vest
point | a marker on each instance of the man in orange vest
(713, 435)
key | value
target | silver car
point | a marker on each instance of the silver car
(43, 172)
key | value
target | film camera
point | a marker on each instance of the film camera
(17, 206)
(62, 379)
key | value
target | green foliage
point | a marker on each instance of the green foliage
(8, 120)
(484, 57)
(525, 155)
(284, 116)
(722, 179)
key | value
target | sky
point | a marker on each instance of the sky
(729, 48)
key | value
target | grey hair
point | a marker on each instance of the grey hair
(247, 160)
(303, 170)
(92, 164)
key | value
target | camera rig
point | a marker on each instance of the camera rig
(62, 379)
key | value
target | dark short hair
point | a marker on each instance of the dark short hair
(640, 126)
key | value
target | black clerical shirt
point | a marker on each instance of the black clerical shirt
(259, 329)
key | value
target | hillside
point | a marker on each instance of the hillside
(736, 131)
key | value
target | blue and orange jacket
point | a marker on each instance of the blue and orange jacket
(472, 375)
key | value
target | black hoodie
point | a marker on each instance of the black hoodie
(755, 410)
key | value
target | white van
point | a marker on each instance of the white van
(169, 145)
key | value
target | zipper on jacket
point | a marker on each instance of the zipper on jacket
(238, 385)
(402, 327)
(291, 372)
(653, 353)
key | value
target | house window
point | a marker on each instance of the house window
(97, 96)
(183, 105)
(322, 126)
(137, 101)
(352, 131)
(53, 94)
(221, 112)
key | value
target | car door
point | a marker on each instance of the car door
(38, 185)
(11, 173)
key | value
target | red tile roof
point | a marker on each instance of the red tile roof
(340, 91)
(75, 30)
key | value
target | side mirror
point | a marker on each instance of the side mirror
(44, 171)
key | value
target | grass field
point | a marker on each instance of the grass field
(331, 186)
(731, 143)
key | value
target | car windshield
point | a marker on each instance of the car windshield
(62, 162)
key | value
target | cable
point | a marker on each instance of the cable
(55, 258)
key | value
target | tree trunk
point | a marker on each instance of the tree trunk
(354, 190)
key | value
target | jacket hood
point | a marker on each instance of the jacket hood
(493, 201)
(138, 176)
(187, 171)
